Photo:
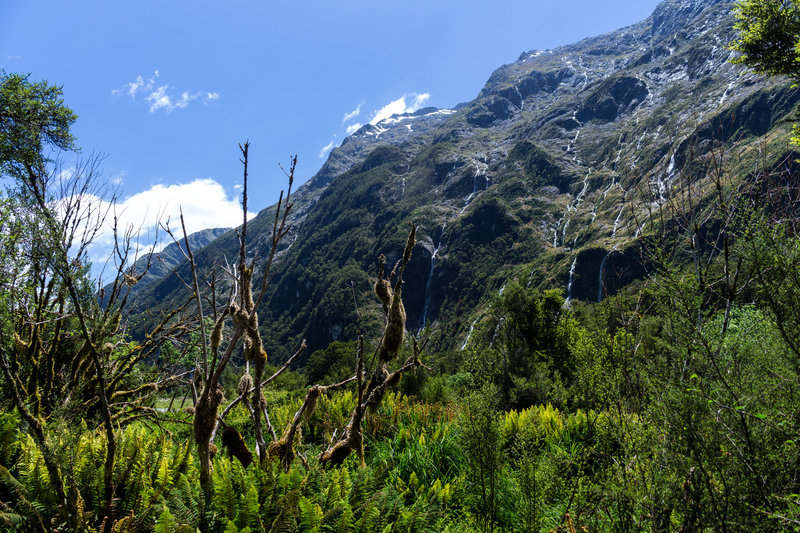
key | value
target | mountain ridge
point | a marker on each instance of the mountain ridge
(540, 177)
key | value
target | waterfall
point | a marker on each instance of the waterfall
(616, 221)
(600, 284)
(521, 99)
(555, 232)
(481, 170)
(430, 281)
(663, 183)
(496, 331)
(469, 335)
(571, 277)
(725, 94)
(470, 196)
(571, 207)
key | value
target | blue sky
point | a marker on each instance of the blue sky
(165, 89)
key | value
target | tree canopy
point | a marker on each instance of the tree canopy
(33, 118)
(769, 40)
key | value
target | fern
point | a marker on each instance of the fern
(310, 515)
(166, 522)
(88, 469)
(230, 527)
(345, 522)
(184, 502)
(248, 515)
(333, 495)
(33, 475)
(226, 494)
(9, 442)
(370, 518)
(22, 503)
(283, 523)
(124, 525)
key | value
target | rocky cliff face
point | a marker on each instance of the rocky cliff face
(540, 178)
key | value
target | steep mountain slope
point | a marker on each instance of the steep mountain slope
(162, 263)
(549, 175)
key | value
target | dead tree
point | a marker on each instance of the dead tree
(241, 311)
(370, 392)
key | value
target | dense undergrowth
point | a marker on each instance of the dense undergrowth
(649, 411)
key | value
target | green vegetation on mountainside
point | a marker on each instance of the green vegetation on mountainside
(559, 158)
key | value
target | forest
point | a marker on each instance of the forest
(671, 405)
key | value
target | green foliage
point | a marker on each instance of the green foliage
(539, 167)
(331, 364)
(32, 117)
(675, 406)
(482, 445)
(605, 367)
(769, 39)
(769, 35)
(527, 351)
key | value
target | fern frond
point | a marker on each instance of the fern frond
(249, 515)
(310, 515)
(226, 494)
(283, 523)
(166, 522)
(345, 522)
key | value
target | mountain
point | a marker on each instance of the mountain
(162, 263)
(549, 176)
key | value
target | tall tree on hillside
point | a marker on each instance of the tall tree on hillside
(769, 39)
(33, 119)
(63, 355)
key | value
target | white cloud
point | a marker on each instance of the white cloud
(161, 97)
(399, 106)
(119, 179)
(328, 147)
(65, 175)
(133, 87)
(352, 128)
(204, 202)
(352, 114)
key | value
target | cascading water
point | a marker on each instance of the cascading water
(496, 331)
(480, 171)
(616, 220)
(424, 319)
(469, 335)
(521, 99)
(725, 94)
(470, 196)
(664, 183)
(571, 207)
(571, 278)
(600, 284)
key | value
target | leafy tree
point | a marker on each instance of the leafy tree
(769, 39)
(332, 364)
(769, 36)
(482, 443)
(531, 338)
(63, 356)
(33, 117)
